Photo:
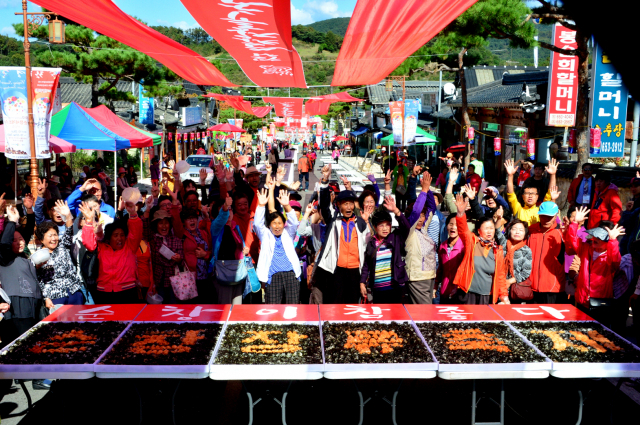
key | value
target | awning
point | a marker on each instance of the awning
(360, 131)
(426, 138)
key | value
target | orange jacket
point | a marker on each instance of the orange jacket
(303, 164)
(464, 276)
(547, 273)
(606, 205)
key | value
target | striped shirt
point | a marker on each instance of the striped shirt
(383, 269)
(279, 262)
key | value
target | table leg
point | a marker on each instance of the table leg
(26, 394)
(283, 404)
(475, 401)
(135, 387)
(251, 402)
(173, 402)
(580, 406)
(362, 402)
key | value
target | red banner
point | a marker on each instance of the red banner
(319, 105)
(286, 106)
(257, 35)
(104, 17)
(238, 103)
(272, 129)
(382, 34)
(319, 129)
(562, 94)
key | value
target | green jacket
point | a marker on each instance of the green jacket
(395, 174)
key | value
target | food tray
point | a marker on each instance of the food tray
(48, 371)
(595, 369)
(507, 368)
(196, 371)
(429, 365)
(266, 371)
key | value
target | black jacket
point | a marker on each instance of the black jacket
(396, 241)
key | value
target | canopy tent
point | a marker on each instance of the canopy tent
(360, 131)
(56, 144)
(98, 129)
(339, 138)
(227, 128)
(430, 138)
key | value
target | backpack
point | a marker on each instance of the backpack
(90, 268)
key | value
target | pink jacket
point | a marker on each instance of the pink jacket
(595, 278)
(449, 262)
(335, 154)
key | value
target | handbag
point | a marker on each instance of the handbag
(600, 303)
(401, 189)
(90, 268)
(253, 283)
(521, 291)
(184, 284)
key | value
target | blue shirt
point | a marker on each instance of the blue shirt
(279, 262)
(74, 202)
(582, 190)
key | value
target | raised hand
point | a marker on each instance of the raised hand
(510, 167)
(229, 174)
(326, 172)
(85, 186)
(426, 181)
(155, 190)
(263, 197)
(552, 168)
(555, 193)
(28, 201)
(453, 175)
(176, 174)
(63, 209)
(228, 202)
(204, 209)
(280, 174)
(283, 198)
(615, 232)
(565, 222)
(470, 190)
(390, 204)
(490, 192)
(203, 176)
(269, 183)
(498, 214)
(630, 206)
(581, 214)
(174, 195)
(87, 212)
(371, 178)
(121, 204)
(219, 170)
(12, 214)
(131, 209)
(366, 212)
(309, 209)
(268, 167)
(461, 204)
(346, 182)
(295, 186)
(42, 186)
(149, 203)
(387, 178)
(234, 161)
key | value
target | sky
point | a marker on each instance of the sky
(172, 12)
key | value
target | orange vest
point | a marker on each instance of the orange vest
(349, 255)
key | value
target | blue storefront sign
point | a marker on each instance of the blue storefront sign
(146, 107)
(608, 109)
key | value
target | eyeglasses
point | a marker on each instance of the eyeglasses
(586, 169)
(530, 193)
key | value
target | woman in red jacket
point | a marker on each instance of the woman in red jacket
(599, 262)
(116, 255)
(197, 253)
(482, 273)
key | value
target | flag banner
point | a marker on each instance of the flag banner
(319, 129)
(104, 17)
(562, 94)
(396, 121)
(272, 128)
(257, 35)
(410, 119)
(146, 106)
(169, 136)
(368, 53)
(15, 111)
(286, 106)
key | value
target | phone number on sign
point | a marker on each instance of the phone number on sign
(612, 147)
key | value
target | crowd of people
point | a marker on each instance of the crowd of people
(246, 238)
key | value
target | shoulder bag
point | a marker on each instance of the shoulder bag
(184, 284)
(521, 291)
(252, 283)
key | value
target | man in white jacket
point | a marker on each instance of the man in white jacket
(344, 246)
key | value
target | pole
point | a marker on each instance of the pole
(403, 94)
(634, 142)
(115, 180)
(176, 146)
(33, 166)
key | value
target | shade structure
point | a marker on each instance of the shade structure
(104, 17)
(156, 138)
(339, 138)
(56, 144)
(96, 129)
(227, 128)
(388, 140)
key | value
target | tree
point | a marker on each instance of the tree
(92, 58)
(502, 19)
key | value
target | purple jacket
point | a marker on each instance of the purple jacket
(423, 198)
(396, 240)
(155, 171)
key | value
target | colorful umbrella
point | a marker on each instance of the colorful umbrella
(226, 127)
(339, 138)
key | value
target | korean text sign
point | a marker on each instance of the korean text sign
(562, 97)
(13, 96)
(608, 106)
(146, 107)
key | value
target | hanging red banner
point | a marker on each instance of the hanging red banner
(562, 94)
(105, 18)
(286, 106)
(170, 137)
(237, 102)
(381, 35)
(319, 129)
(272, 129)
(178, 137)
(319, 105)
(257, 35)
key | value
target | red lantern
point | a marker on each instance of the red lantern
(497, 146)
(170, 136)
(572, 141)
(178, 137)
(531, 149)
(471, 133)
(595, 141)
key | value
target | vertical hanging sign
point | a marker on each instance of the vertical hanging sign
(608, 106)
(13, 94)
(146, 106)
(411, 107)
(395, 109)
(562, 95)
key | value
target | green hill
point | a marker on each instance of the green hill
(335, 25)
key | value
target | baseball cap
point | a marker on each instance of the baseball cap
(346, 195)
(252, 170)
(548, 208)
(160, 215)
(295, 204)
(598, 232)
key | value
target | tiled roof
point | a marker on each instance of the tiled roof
(74, 91)
(496, 94)
(481, 75)
(379, 95)
(445, 112)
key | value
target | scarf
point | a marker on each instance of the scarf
(511, 250)
(486, 245)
